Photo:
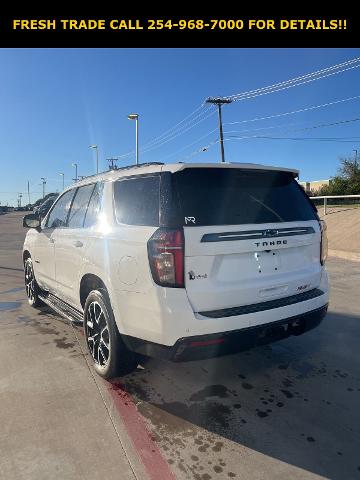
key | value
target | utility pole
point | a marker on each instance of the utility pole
(220, 102)
(28, 190)
(20, 196)
(112, 164)
(43, 184)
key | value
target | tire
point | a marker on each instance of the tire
(110, 356)
(32, 288)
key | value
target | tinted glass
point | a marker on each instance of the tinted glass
(79, 206)
(45, 207)
(137, 201)
(94, 206)
(58, 215)
(205, 196)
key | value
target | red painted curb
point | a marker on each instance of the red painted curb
(155, 464)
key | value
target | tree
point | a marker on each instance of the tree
(347, 180)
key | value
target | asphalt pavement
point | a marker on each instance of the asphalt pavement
(287, 410)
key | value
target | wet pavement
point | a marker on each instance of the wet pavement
(287, 410)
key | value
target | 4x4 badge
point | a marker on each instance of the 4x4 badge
(192, 276)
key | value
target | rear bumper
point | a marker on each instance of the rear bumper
(223, 343)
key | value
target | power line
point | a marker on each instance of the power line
(181, 132)
(309, 75)
(300, 110)
(199, 150)
(269, 127)
(321, 125)
(170, 131)
(277, 115)
(303, 79)
(187, 146)
(179, 128)
(279, 89)
(317, 139)
(247, 137)
(199, 115)
(240, 137)
(294, 82)
(15, 191)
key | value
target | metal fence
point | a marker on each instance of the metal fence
(337, 202)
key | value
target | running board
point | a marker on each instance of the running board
(62, 307)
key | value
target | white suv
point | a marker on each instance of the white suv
(180, 261)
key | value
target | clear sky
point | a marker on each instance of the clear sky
(54, 103)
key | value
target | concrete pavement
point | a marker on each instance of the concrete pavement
(343, 232)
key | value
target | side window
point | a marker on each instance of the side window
(94, 206)
(79, 206)
(137, 201)
(58, 215)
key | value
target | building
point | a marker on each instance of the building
(314, 186)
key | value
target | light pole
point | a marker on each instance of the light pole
(43, 185)
(135, 116)
(95, 147)
(356, 155)
(63, 180)
(76, 174)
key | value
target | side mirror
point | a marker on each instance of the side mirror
(32, 220)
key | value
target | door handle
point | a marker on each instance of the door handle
(78, 244)
(52, 240)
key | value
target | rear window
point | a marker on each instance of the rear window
(210, 196)
(137, 200)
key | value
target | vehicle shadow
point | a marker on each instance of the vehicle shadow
(296, 400)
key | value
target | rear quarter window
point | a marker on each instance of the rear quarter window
(211, 196)
(137, 200)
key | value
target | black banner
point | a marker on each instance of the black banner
(157, 28)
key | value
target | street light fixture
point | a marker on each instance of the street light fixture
(63, 181)
(135, 116)
(95, 147)
(76, 174)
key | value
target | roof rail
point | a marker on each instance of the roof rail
(140, 165)
(123, 168)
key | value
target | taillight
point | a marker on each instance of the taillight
(166, 257)
(323, 243)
